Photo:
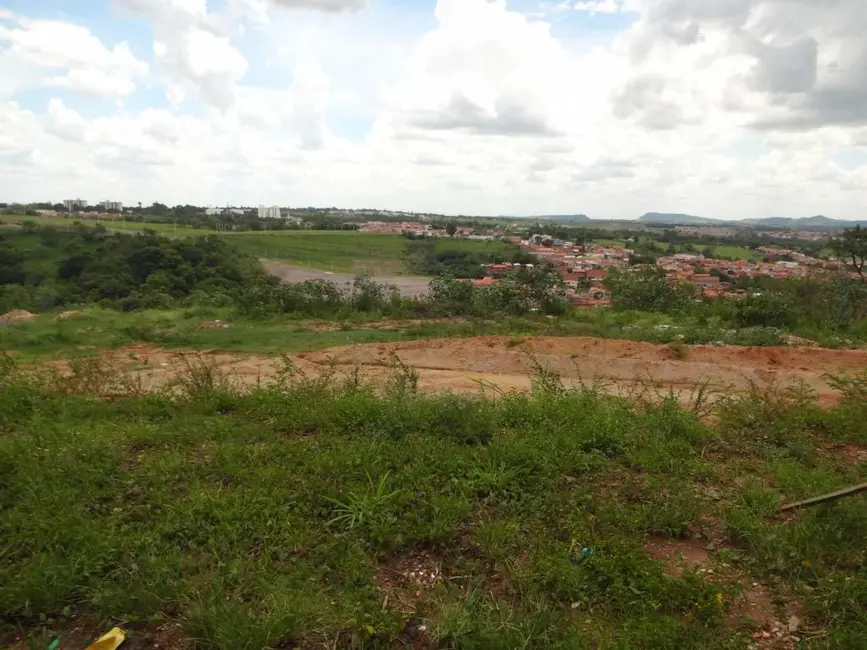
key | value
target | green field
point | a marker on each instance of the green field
(111, 224)
(737, 253)
(732, 252)
(338, 251)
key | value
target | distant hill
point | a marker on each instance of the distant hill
(818, 222)
(675, 219)
(572, 218)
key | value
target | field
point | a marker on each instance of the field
(729, 252)
(343, 499)
(737, 253)
(337, 251)
(111, 224)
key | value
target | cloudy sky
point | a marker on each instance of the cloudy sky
(725, 108)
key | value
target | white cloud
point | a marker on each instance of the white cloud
(36, 47)
(324, 5)
(597, 6)
(192, 49)
(720, 107)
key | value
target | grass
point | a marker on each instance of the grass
(194, 327)
(337, 251)
(111, 224)
(319, 513)
(737, 253)
(46, 336)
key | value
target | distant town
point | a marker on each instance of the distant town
(552, 240)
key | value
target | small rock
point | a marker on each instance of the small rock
(766, 634)
(794, 624)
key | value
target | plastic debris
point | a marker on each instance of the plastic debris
(579, 556)
(111, 640)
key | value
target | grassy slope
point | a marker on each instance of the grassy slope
(733, 252)
(111, 224)
(45, 336)
(341, 252)
(293, 515)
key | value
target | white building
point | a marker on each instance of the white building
(270, 212)
(112, 206)
(74, 204)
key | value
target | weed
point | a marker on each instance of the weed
(200, 376)
(678, 350)
(359, 508)
(259, 518)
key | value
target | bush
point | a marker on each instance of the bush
(646, 289)
(766, 309)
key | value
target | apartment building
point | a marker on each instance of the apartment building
(269, 212)
(74, 204)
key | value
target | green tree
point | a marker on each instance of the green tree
(852, 246)
(645, 289)
(451, 228)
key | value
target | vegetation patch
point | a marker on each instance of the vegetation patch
(326, 512)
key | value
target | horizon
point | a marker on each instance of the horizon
(484, 216)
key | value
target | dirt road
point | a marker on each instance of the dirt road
(410, 287)
(621, 367)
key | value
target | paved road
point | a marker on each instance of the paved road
(410, 287)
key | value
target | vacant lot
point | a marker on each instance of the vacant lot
(409, 286)
(622, 366)
(507, 363)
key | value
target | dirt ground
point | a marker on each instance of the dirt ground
(621, 367)
(410, 287)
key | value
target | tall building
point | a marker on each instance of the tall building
(74, 204)
(270, 212)
(112, 206)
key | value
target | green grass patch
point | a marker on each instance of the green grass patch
(318, 513)
(737, 253)
(337, 251)
(123, 225)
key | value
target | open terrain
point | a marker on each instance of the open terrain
(288, 274)
(269, 506)
(502, 363)
(347, 252)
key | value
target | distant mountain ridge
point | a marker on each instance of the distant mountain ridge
(817, 222)
(574, 218)
(676, 219)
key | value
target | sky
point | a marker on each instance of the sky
(612, 108)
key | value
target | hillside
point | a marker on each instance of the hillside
(818, 222)
(42, 268)
(674, 219)
(571, 218)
